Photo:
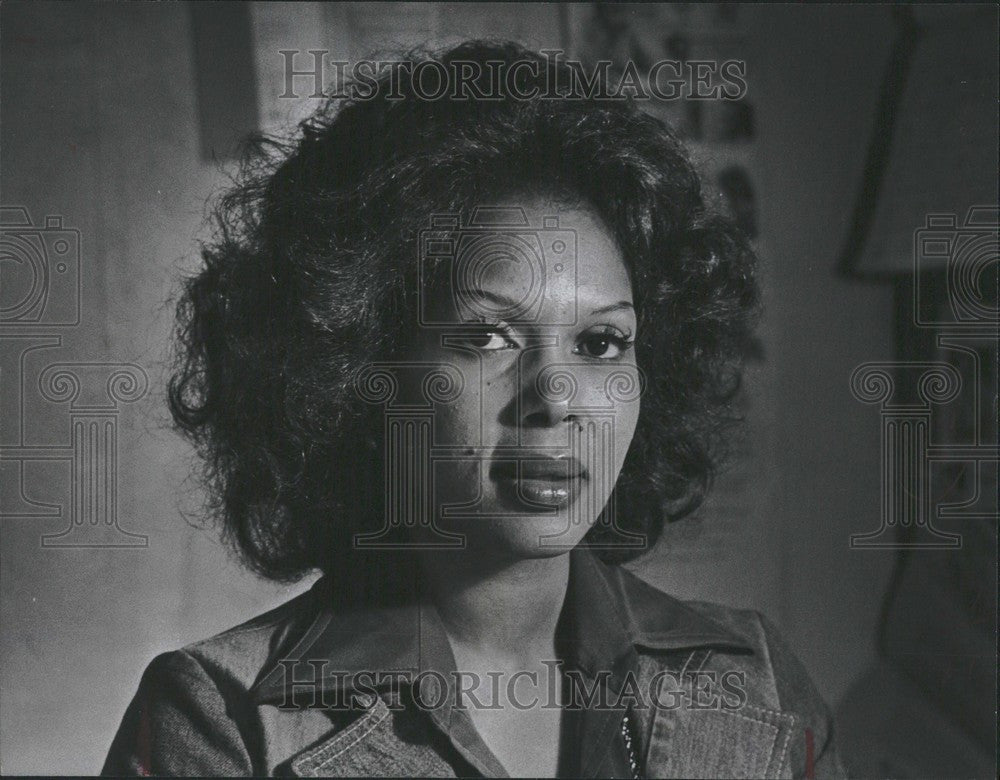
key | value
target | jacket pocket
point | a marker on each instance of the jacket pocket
(750, 742)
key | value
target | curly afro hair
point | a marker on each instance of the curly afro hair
(311, 274)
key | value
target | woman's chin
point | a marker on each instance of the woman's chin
(522, 537)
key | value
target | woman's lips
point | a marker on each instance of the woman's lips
(553, 482)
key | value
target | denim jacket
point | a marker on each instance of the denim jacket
(709, 691)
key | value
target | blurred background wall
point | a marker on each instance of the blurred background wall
(111, 116)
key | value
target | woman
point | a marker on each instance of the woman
(464, 356)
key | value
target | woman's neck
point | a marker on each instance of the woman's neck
(506, 610)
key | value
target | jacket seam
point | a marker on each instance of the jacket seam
(205, 673)
(788, 740)
(766, 648)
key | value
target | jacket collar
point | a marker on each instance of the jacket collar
(608, 613)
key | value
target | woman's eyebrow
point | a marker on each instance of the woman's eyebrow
(613, 307)
(495, 298)
(510, 303)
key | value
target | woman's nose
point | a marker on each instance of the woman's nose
(548, 392)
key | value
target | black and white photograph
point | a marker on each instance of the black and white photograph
(483, 389)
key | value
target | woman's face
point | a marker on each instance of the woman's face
(535, 329)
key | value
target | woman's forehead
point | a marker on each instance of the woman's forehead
(563, 260)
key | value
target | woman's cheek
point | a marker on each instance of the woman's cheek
(631, 420)
(460, 419)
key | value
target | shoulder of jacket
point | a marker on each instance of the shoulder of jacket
(236, 656)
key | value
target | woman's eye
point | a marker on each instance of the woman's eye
(606, 345)
(491, 339)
